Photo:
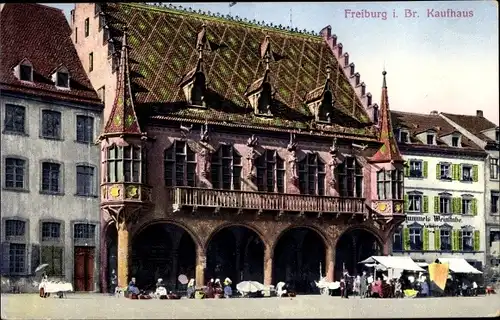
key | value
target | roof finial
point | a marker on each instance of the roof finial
(201, 41)
(124, 41)
(384, 84)
(328, 71)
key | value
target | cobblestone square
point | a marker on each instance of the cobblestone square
(98, 306)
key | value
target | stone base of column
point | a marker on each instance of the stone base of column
(123, 254)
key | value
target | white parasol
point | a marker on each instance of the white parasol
(183, 279)
(41, 267)
(249, 286)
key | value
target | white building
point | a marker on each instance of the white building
(50, 119)
(486, 135)
(444, 190)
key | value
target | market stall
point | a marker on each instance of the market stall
(459, 265)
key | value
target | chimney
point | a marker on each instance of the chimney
(326, 32)
(479, 113)
(339, 48)
(434, 113)
(346, 59)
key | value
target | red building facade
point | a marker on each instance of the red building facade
(235, 149)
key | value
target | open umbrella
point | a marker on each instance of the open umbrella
(41, 267)
(249, 286)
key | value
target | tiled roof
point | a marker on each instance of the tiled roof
(473, 124)
(417, 123)
(122, 118)
(389, 150)
(42, 35)
(163, 48)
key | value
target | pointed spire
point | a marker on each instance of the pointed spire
(328, 71)
(389, 151)
(123, 119)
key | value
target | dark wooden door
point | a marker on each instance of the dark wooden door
(84, 268)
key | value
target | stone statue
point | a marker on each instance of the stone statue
(207, 162)
(204, 136)
(292, 158)
(333, 162)
(252, 143)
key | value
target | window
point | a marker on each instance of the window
(91, 61)
(397, 242)
(444, 204)
(85, 181)
(454, 141)
(84, 231)
(467, 205)
(430, 138)
(445, 239)
(101, 93)
(51, 175)
(14, 228)
(15, 117)
(17, 257)
(494, 168)
(87, 27)
(180, 165)
(414, 203)
(445, 171)
(325, 109)
(390, 184)
(84, 129)
(26, 72)
(416, 169)
(51, 231)
(403, 136)
(126, 164)
(53, 256)
(466, 173)
(415, 238)
(51, 124)
(350, 177)
(15, 171)
(270, 172)
(467, 241)
(62, 79)
(226, 168)
(497, 136)
(76, 35)
(495, 196)
(312, 175)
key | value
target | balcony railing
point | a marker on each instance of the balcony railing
(198, 197)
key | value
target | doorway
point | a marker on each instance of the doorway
(84, 268)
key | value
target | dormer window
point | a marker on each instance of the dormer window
(497, 136)
(430, 138)
(24, 71)
(265, 99)
(325, 108)
(62, 79)
(404, 136)
(198, 90)
(455, 141)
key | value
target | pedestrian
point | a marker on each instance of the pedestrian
(114, 280)
(228, 291)
(342, 287)
(363, 285)
(357, 286)
(191, 289)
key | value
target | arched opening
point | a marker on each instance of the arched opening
(236, 252)
(299, 257)
(162, 250)
(353, 247)
(112, 253)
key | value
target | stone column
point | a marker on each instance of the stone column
(387, 248)
(330, 262)
(268, 265)
(123, 253)
(201, 263)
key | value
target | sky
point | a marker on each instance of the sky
(447, 64)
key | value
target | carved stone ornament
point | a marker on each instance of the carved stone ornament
(206, 155)
(252, 143)
(185, 131)
(333, 162)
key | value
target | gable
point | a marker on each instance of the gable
(163, 48)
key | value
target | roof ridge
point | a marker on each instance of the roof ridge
(417, 113)
(226, 18)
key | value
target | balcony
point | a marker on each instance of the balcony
(262, 201)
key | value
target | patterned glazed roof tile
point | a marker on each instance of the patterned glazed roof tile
(45, 40)
(163, 42)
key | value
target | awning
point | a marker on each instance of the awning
(459, 265)
(401, 263)
(422, 264)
